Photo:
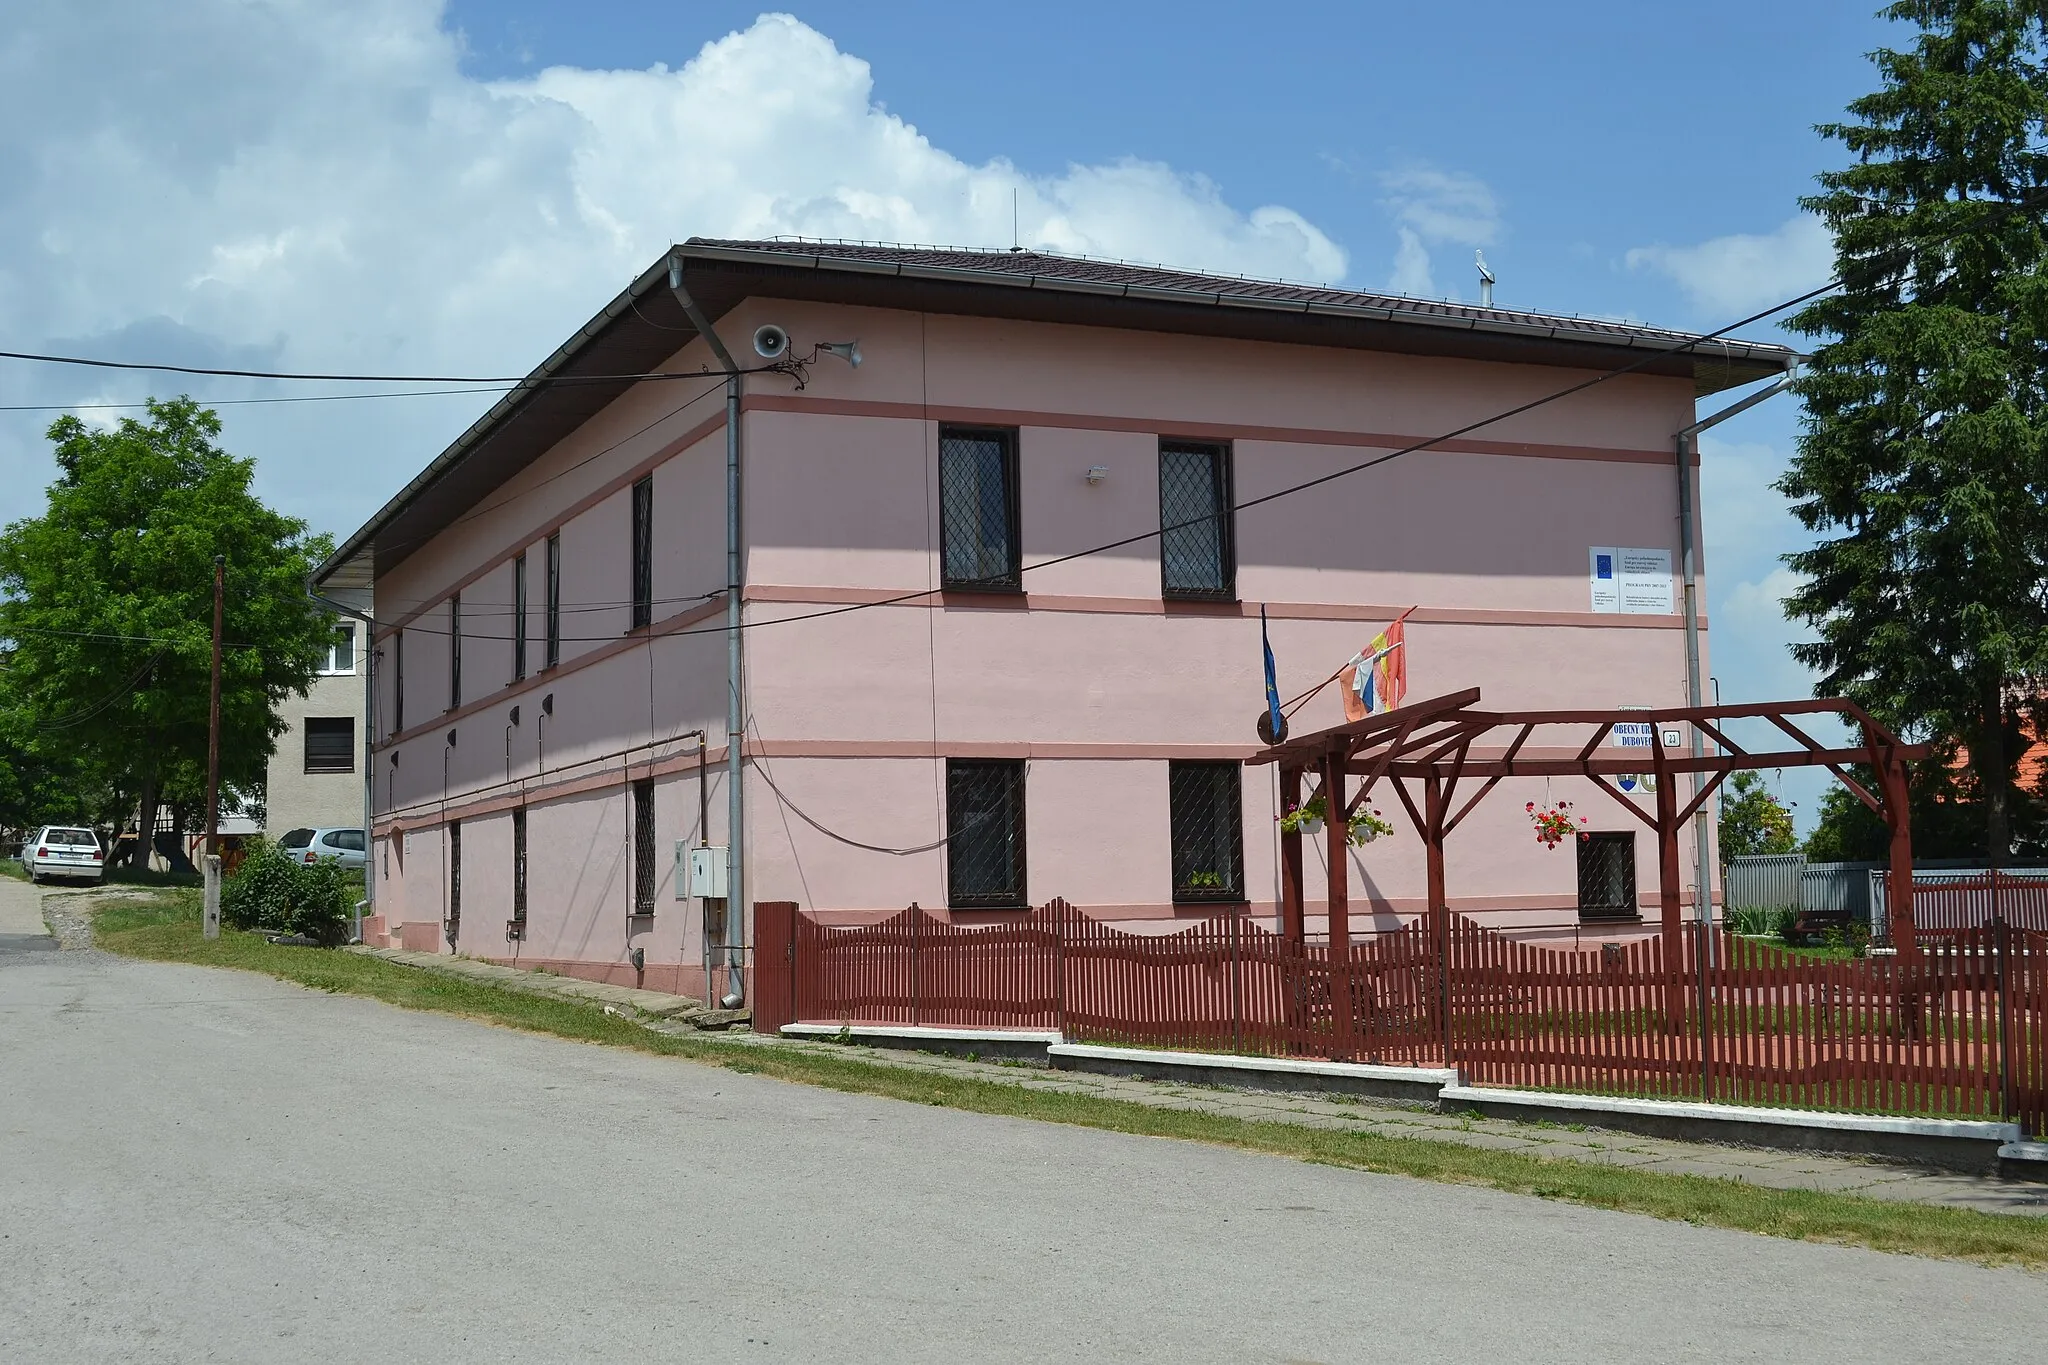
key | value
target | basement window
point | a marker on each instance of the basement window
(1607, 875)
(1208, 831)
(985, 828)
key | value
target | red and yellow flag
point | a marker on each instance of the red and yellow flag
(1376, 679)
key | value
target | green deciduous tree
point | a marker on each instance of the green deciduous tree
(107, 602)
(1924, 459)
(1753, 820)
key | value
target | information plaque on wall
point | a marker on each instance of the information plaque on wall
(1631, 580)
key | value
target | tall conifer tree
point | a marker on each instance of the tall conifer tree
(1923, 464)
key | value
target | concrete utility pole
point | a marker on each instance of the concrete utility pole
(212, 859)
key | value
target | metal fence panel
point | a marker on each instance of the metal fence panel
(1768, 881)
(1837, 888)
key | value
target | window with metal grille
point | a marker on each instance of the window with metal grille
(1208, 831)
(978, 509)
(554, 646)
(1195, 554)
(455, 651)
(330, 744)
(397, 681)
(985, 829)
(519, 865)
(1607, 875)
(454, 880)
(643, 846)
(643, 552)
(518, 616)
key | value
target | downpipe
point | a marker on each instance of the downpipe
(1686, 441)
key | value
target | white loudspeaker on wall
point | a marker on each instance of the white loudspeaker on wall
(771, 342)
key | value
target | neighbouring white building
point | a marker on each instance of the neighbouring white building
(316, 774)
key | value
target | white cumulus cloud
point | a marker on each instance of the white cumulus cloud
(308, 186)
(1433, 207)
(1746, 271)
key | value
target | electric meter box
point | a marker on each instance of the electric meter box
(707, 872)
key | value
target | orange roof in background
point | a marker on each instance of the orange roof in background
(2032, 766)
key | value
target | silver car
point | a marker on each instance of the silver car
(63, 851)
(309, 846)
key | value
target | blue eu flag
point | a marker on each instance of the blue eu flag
(1272, 685)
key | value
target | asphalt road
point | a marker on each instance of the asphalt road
(200, 1165)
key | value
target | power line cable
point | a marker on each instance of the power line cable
(516, 381)
(245, 402)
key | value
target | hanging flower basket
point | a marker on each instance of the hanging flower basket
(1554, 824)
(1307, 818)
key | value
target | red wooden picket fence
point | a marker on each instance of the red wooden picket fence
(1959, 1031)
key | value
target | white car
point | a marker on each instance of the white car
(309, 846)
(63, 851)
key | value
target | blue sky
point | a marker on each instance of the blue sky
(393, 185)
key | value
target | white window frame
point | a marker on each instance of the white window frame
(327, 668)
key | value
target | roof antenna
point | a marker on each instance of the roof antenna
(1014, 244)
(1485, 280)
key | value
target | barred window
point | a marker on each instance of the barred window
(985, 829)
(519, 865)
(1205, 801)
(454, 881)
(643, 552)
(455, 651)
(978, 509)
(330, 744)
(1195, 552)
(519, 616)
(554, 568)
(643, 846)
(397, 681)
(1607, 875)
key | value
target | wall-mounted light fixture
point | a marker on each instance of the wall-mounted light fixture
(1097, 473)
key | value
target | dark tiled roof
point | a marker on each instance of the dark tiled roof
(639, 329)
(1027, 267)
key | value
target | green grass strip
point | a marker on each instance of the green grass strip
(167, 930)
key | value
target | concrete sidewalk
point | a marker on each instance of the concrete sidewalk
(21, 918)
(1574, 1142)
(676, 1009)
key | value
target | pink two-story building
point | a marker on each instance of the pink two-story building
(944, 699)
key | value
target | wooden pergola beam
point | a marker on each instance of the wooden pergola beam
(1432, 742)
(1614, 767)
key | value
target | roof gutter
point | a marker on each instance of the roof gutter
(1548, 329)
(735, 680)
(367, 650)
(1688, 561)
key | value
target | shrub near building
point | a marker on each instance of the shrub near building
(273, 892)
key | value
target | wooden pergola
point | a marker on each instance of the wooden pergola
(1447, 744)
